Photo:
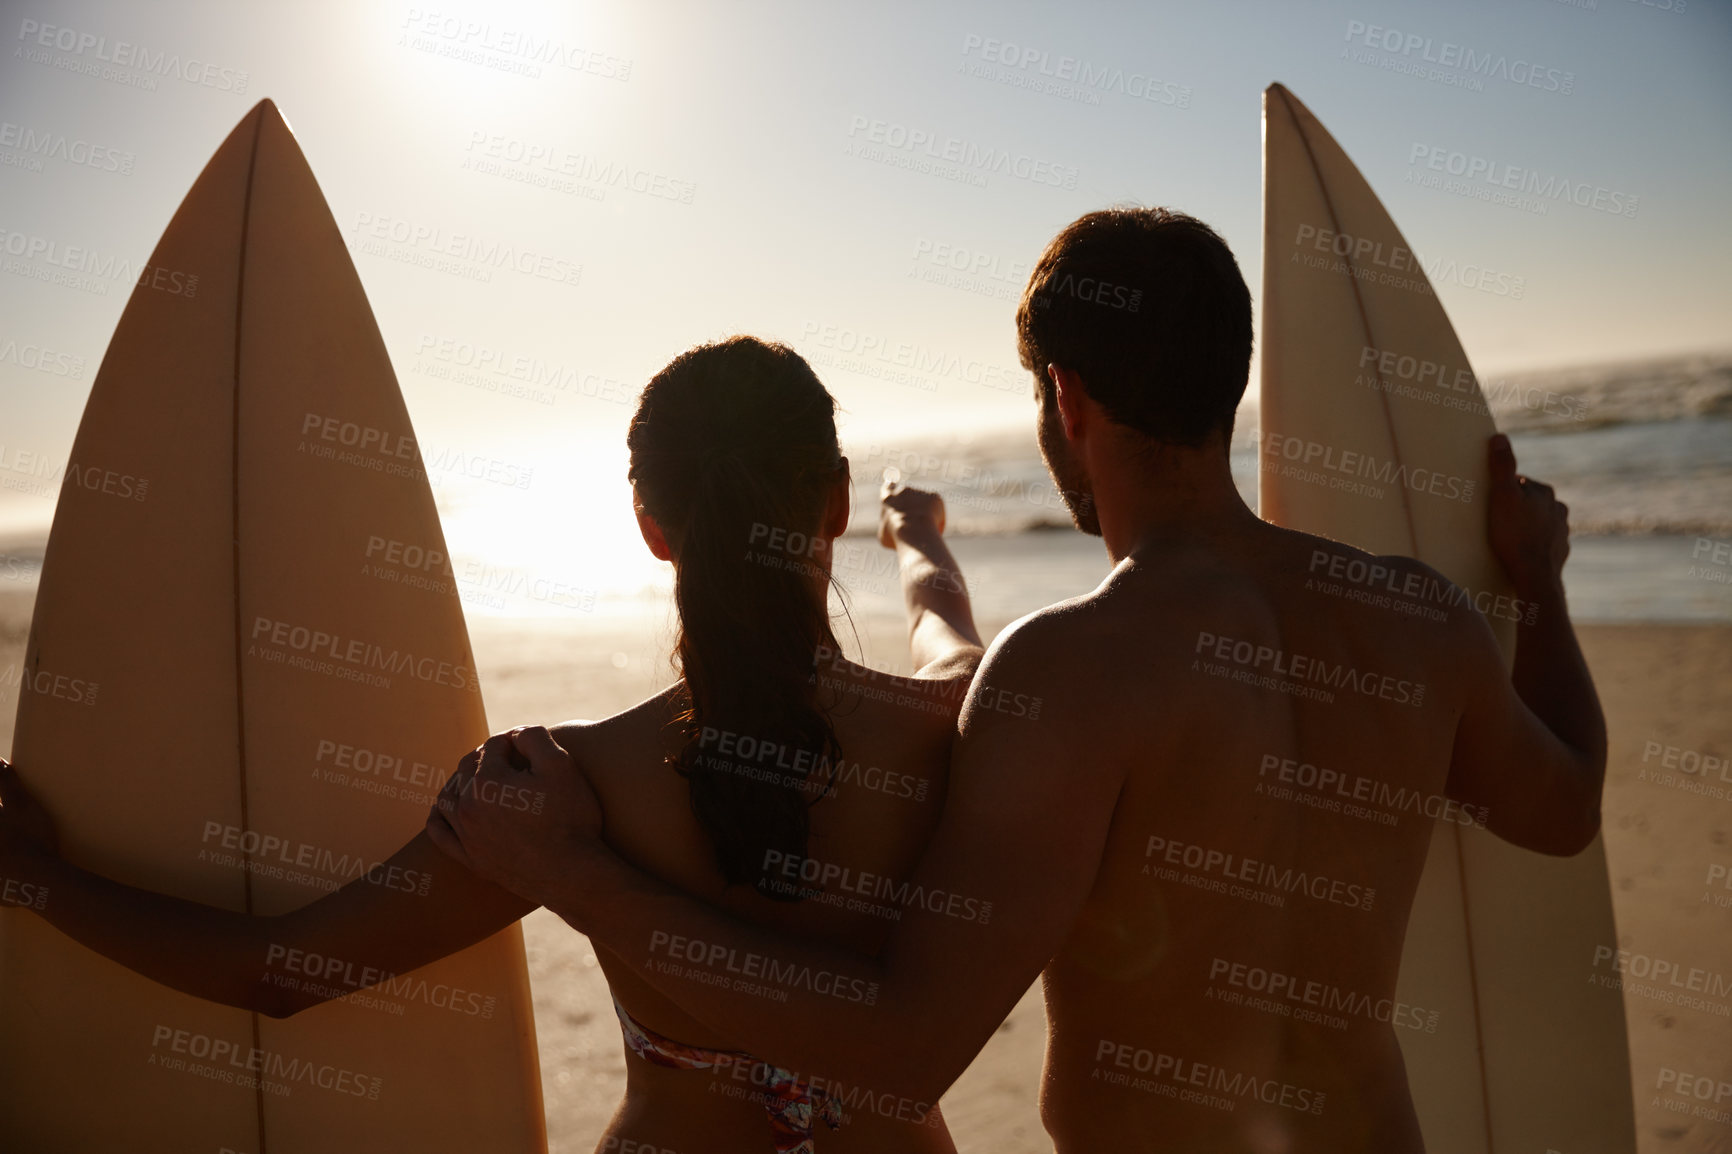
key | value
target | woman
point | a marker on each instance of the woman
(769, 760)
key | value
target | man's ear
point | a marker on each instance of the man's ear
(1071, 400)
(652, 534)
(838, 503)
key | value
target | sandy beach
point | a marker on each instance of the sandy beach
(1668, 825)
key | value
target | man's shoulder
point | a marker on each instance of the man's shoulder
(1046, 632)
(1048, 655)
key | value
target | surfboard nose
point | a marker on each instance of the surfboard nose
(1279, 96)
(266, 111)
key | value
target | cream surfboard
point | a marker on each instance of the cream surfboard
(233, 702)
(1529, 1054)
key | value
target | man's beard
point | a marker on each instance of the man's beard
(1068, 473)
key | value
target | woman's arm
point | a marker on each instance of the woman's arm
(376, 925)
(940, 620)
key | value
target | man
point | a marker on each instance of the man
(1143, 837)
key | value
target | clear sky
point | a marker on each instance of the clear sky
(830, 176)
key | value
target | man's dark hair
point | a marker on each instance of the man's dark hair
(1148, 308)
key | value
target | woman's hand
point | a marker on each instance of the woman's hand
(519, 813)
(940, 619)
(901, 508)
(26, 832)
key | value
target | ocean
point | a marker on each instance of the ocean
(1641, 453)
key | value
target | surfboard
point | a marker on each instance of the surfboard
(246, 680)
(1358, 357)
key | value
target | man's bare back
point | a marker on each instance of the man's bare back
(1285, 754)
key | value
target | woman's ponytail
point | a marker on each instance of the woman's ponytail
(734, 446)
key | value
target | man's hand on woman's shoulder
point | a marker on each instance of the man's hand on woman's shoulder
(518, 812)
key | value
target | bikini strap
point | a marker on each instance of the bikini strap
(792, 1105)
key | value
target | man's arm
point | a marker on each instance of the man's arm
(1531, 746)
(1024, 826)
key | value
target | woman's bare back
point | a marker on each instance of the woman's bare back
(867, 835)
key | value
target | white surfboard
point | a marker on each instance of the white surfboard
(1358, 356)
(233, 702)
